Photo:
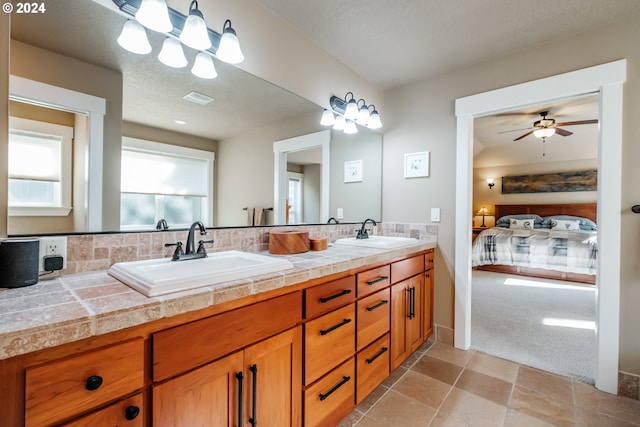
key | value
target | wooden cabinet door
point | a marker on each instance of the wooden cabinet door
(406, 318)
(273, 392)
(206, 397)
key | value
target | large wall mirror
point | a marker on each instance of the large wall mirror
(73, 46)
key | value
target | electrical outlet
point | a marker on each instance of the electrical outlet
(53, 245)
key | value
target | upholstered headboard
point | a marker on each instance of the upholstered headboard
(585, 210)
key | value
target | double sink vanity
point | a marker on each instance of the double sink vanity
(233, 339)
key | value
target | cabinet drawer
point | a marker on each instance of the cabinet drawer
(428, 260)
(332, 398)
(373, 280)
(126, 413)
(328, 296)
(185, 347)
(58, 390)
(406, 268)
(372, 367)
(373, 317)
(329, 340)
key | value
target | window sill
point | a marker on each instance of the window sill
(38, 211)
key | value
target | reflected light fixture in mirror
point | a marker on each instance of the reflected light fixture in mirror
(344, 114)
(154, 15)
(194, 33)
(229, 49)
(203, 66)
(172, 54)
(134, 38)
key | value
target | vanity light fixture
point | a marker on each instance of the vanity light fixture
(191, 30)
(344, 114)
(490, 183)
(194, 33)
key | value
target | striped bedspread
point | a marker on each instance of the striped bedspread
(568, 251)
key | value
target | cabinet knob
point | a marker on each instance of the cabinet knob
(131, 412)
(93, 382)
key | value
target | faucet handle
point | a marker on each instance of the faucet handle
(178, 252)
(201, 248)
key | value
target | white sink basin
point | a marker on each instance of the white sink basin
(380, 242)
(162, 276)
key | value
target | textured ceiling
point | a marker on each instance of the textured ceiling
(394, 42)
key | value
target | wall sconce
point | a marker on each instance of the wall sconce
(484, 212)
(490, 183)
(191, 30)
(346, 113)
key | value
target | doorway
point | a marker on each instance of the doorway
(607, 81)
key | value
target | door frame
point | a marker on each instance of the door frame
(607, 81)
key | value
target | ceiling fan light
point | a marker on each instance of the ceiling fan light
(350, 127)
(195, 33)
(229, 49)
(328, 119)
(154, 15)
(544, 132)
(134, 38)
(340, 123)
(203, 66)
(172, 54)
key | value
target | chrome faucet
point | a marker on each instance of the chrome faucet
(335, 221)
(362, 233)
(191, 252)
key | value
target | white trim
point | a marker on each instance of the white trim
(607, 80)
(320, 139)
(95, 108)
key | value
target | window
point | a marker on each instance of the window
(164, 181)
(40, 168)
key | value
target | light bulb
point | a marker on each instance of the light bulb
(374, 121)
(351, 110)
(340, 123)
(328, 118)
(351, 127)
(203, 66)
(194, 33)
(172, 53)
(544, 132)
(229, 49)
(154, 15)
(134, 38)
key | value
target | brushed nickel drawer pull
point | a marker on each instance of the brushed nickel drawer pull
(379, 279)
(378, 354)
(338, 295)
(334, 327)
(335, 387)
(378, 305)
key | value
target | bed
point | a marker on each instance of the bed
(559, 241)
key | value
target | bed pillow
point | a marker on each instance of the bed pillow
(504, 221)
(521, 223)
(585, 223)
(564, 224)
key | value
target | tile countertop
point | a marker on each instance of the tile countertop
(74, 307)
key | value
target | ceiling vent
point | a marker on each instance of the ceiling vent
(198, 98)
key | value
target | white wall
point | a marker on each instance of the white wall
(434, 129)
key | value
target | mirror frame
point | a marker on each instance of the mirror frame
(34, 92)
(320, 139)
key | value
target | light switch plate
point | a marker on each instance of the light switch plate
(435, 214)
(340, 213)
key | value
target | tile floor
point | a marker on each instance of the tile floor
(440, 386)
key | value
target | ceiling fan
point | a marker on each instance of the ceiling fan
(545, 127)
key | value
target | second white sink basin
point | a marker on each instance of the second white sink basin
(162, 276)
(380, 242)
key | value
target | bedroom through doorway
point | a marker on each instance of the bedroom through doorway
(524, 309)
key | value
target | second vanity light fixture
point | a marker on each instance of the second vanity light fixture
(345, 113)
(179, 29)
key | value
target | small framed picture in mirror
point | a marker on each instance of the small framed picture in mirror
(353, 171)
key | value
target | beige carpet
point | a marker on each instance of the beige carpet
(546, 324)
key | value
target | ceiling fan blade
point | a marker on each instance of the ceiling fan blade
(514, 130)
(563, 132)
(579, 122)
(522, 136)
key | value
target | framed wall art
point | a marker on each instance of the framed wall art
(353, 171)
(416, 165)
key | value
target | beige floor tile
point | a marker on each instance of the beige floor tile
(451, 354)
(395, 376)
(518, 419)
(494, 366)
(472, 409)
(543, 382)
(586, 418)
(542, 406)
(422, 388)
(371, 400)
(351, 419)
(450, 420)
(623, 408)
(395, 409)
(367, 421)
(438, 369)
(486, 386)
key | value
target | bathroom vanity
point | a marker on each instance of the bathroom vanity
(297, 348)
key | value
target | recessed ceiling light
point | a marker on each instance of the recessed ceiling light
(198, 98)
(180, 122)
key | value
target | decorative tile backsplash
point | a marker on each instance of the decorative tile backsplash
(97, 252)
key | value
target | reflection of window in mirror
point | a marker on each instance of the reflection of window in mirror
(162, 181)
(295, 197)
(40, 164)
